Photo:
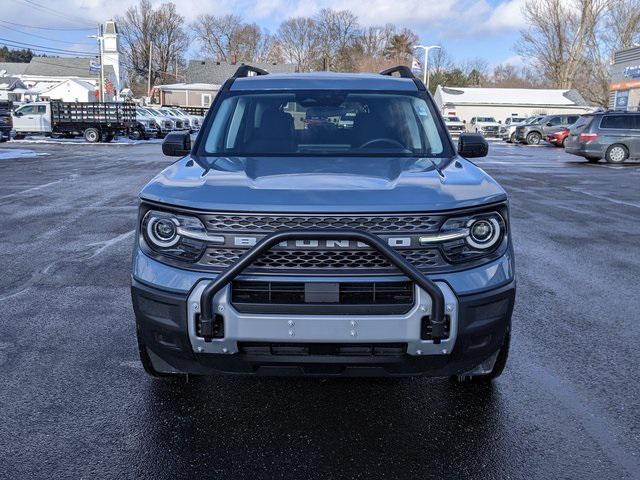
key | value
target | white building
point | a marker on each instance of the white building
(71, 90)
(502, 103)
(42, 74)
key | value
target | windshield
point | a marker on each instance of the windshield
(152, 112)
(325, 123)
(487, 119)
(516, 119)
(452, 119)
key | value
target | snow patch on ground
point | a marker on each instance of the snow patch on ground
(81, 141)
(6, 154)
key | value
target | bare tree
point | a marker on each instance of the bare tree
(217, 35)
(336, 31)
(559, 34)
(142, 25)
(298, 42)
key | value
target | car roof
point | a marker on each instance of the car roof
(324, 81)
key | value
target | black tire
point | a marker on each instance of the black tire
(92, 135)
(616, 153)
(161, 135)
(512, 138)
(138, 134)
(498, 367)
(108, 137)
(533, 138)
(19, 136)
(148, 366)
(563, 143)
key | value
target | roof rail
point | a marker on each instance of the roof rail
(244, 70)
(404, 71)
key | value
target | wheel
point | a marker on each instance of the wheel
(512, 138)
(137, 134)
(19, 136)
(498, 367)
(108, 137)
(563, 142)
(616, 153)
(148, 365)
(533, 138)
(92, 135)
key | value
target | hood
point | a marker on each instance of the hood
(317, 184)
(489, 124)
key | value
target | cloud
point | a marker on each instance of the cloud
(506, 16)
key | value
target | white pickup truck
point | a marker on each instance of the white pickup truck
(96, 121)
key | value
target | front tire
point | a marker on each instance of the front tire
(533, 138)
(512, 138)
(616, 153)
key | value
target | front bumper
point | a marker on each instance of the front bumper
(166, 321)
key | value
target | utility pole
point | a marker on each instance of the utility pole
(101, 47)
(100, 41)
(425, 73)
(149, 81)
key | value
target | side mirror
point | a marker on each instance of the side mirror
(464, 121)
(17, 114)
(177, 144)
(548, 124)
(472, 145)
(500, 122)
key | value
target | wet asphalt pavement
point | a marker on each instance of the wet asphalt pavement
(75, 402)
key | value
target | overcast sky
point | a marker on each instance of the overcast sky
(467, 28)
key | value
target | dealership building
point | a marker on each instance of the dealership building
(503, 103)
(625, 80)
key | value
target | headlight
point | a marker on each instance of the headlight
(177, 236)
(470, 237)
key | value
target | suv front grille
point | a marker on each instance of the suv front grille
(240, 223)
(342, 297)
(328, 260)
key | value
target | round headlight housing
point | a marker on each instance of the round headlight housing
(483, 232)
(163, 231)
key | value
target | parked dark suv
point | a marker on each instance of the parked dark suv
(369, 248)
(614, 136)
(5, 121)
(534, 133)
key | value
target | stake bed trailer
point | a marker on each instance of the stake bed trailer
(96, 121)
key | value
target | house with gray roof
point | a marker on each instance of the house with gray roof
(11, 89)
(203, 80)
(44, 73)
(214, 72)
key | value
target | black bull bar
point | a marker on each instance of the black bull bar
(268, 242)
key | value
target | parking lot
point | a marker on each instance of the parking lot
(75, 402)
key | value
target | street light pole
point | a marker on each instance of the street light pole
(425, 73)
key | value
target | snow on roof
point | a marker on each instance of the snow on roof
(509, 96)
(190, 86)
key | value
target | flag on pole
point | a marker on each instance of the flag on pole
(415, 65)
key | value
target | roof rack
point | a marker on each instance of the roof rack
(404, 71)
(244, 70)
